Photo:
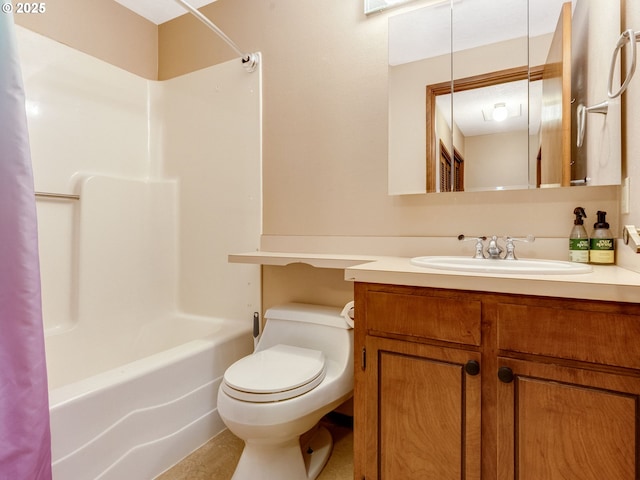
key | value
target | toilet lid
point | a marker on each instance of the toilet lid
(277, 373)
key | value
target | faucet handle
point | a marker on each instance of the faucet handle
(479, 245)
(511, 248)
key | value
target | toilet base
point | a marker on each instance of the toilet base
(316, 452)
(285, 461)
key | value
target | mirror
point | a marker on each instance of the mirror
(455, 66)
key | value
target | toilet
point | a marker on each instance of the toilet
(273, 399)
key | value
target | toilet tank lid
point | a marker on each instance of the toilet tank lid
(306, 312)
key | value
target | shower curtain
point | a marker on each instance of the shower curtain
(25, 443)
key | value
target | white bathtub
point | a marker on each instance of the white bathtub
(128, 407)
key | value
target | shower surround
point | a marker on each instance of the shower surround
(142, 312)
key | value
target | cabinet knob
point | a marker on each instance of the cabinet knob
(472, 367)
(505, 374)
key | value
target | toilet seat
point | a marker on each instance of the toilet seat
(278, 373)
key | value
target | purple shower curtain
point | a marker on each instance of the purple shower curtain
(25, 442)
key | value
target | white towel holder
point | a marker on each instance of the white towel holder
(582, 111)
(632, 38)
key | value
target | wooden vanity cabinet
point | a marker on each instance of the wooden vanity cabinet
(467, 385)
(568, 390)
(566, 423)
(417, 385)
(423, 412)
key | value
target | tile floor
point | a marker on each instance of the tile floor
(217, 458)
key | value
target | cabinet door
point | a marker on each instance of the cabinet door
(560, 423)
(422, 411)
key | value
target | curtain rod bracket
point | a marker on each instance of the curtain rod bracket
(249, 60)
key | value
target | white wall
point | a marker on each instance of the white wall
(84, 114)
(85, 117)
(119, 253)
(208, 130)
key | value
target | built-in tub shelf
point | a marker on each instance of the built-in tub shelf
(319, 260)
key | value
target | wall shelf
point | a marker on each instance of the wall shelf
(319, 260)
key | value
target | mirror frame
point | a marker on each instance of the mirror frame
(458, 85)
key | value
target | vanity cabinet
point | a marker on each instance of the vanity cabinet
(566, 423)
(454, 384)
(423, 412)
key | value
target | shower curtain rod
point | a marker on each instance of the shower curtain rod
(249, 60)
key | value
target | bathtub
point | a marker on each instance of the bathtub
(131, 406)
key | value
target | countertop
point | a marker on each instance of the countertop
(605, 282)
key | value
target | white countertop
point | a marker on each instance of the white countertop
(606, 282)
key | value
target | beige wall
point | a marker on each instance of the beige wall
(325, 127)
(484, 169)
(102, 28)
(325, 131)
(185, 44)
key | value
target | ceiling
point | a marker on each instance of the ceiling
(426, 32)
(160, 11)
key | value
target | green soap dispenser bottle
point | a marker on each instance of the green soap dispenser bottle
(602, 242)
(578, 239)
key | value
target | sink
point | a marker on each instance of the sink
(489, 265)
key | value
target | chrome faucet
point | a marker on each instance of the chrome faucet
(493, 249)
(479, 244)
(511, 248)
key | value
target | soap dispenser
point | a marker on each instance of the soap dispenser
(602, 242)
(578, 239)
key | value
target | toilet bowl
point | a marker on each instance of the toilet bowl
(273, 399)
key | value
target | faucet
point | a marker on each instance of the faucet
(493, 249)
(479, 244)
(511, 248)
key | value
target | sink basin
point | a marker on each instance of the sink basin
(488, 265)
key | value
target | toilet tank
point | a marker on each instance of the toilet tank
(318, 327)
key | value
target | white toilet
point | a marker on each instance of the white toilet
(302, 369)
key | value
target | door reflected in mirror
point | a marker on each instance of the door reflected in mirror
(453, 69)
(485, 149)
